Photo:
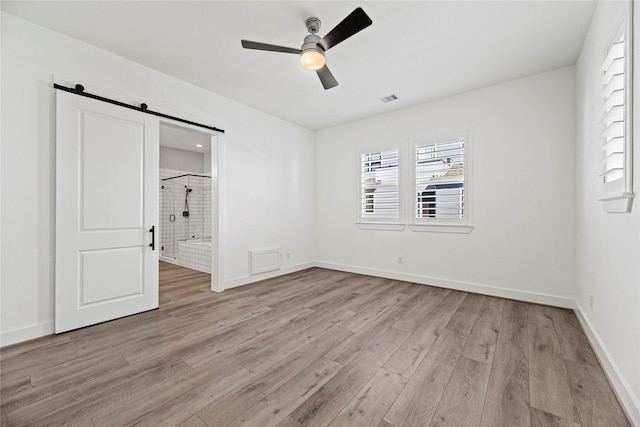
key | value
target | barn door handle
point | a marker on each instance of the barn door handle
(153, 237)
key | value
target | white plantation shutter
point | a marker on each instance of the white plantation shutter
(616, 159)
(439, 180)
(614, 123)
(379, 185)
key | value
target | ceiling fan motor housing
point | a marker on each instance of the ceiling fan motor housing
(311, 43)
(313, 25)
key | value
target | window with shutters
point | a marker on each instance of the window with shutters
(441, 190)
(380, 186)
(616, 123)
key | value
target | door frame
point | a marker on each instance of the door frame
(216, 153)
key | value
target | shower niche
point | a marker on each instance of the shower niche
(185, 209)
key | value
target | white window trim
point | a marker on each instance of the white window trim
(440, 225)
(389, 224)
(621, 202)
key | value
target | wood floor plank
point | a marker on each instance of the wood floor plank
(289, 422)
(369, 406)
(373, 285)
(315, 316)
(13, 386)
(351, 347)
(331, 296)
(313, 294)
(229, 342)
(38, 359)
(364, 301)
(408, 357)
(380, 309)
(429, 299)
(274, 407)
(540, 418)
(465, 316)
(87, 400)
(193, 421)
(71, 380)
(463, 399)
(179, 344)
(482, 340)
(274, 319)
(263, 361)
(224, 410)
(179, 399)
(549, 386)
(515, 325)
(328, 401)
(597, 405)
(507, 400)
(573, 341)
(21, 349)
(352, 299)
(238, 356)
(72, 368)
(418, 401)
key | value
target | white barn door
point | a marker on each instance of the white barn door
(106, 204)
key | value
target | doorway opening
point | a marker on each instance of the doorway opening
(188, 205)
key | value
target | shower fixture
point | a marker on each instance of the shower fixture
(185, 212)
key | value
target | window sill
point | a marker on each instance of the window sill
(442, 228)
(391, 226)
(617, 203)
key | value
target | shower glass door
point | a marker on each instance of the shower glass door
(167, 203)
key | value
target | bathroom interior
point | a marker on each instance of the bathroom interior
(185, 198)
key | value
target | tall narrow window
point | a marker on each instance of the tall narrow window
(379, 185)
(616, 137)
(439, 180)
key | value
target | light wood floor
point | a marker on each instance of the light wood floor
(317, 347)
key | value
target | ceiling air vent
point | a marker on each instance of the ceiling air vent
(389, 98)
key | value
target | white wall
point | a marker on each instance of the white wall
(206, 162)
(608, 245)
(267, 169)
(523, 177)
(174, 158)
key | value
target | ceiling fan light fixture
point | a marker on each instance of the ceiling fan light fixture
(312, 59)
(312, 50)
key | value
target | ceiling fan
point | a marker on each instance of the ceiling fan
(313, 49)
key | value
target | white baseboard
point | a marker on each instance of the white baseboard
(534, 297)
(24, 334)
(630, 402)
(241, 281)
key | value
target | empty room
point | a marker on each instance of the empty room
(319, 213)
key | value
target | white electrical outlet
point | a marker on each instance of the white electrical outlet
(287, 255)
(400, 260)
(591, 301)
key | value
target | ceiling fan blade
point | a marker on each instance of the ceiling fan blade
(352, 24)
(327, 79)
(270, 47)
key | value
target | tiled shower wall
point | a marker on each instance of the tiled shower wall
(172, 202)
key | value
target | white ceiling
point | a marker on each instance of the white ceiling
(183, 139)
(419, 50)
